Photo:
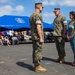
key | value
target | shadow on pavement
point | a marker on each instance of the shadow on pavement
(48, 59)
(54, 60)
(67, 63)
(22, 64)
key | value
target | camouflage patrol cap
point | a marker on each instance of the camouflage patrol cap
(56, 9)
(36, 4)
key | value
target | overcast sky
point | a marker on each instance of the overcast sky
(26, 8)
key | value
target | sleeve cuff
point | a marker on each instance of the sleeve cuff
(65, 22)
(38, 22)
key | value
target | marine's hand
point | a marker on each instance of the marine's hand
(41, 40)
(69, 37)
(63, 35)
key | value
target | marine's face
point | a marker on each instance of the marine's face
(57, 12)
(40, 8)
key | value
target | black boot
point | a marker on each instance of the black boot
(58, 60)
(62, 60)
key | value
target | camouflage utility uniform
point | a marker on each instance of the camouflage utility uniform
(58, 32)
(36, 19)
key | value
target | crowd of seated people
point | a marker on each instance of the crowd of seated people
(11, 37)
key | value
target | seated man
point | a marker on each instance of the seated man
(15, 40)
(6, 40)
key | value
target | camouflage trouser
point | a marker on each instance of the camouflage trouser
(60, 45)
(37, 52)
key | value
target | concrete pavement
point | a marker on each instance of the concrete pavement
(17, 60)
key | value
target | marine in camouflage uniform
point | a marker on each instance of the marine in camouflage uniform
(37, 46)
(37, 37)
(36, 19)
(59, 33)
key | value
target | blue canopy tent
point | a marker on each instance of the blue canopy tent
(48, 27)
(14, 22)
(19, 23)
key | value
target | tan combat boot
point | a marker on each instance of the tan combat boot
(40, 69)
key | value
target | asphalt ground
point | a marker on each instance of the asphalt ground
(17, 60)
